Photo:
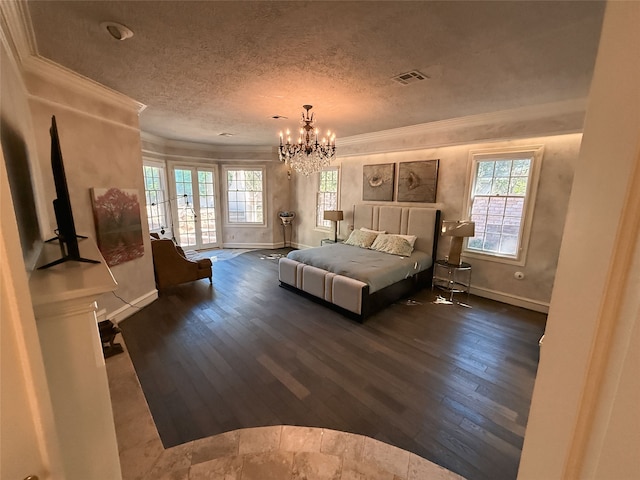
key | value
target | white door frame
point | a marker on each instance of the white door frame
(194, 167)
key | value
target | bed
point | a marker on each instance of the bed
(360, 281)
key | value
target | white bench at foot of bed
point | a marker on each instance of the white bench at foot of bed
(342, 291)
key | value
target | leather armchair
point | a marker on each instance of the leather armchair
(173, 267)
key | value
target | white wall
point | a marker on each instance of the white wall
(584, 420)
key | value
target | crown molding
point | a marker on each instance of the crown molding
(19, 38)
(523, 114)
(153, 139)
(558, 118)
(56, 73)
(17, 31)
(203, 148)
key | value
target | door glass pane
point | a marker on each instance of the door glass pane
(207, 207)
(186, 214)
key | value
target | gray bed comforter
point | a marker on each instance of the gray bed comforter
(377, 269)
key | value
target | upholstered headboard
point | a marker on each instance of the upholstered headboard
(423, 222)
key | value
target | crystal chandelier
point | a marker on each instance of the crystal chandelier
(309, 154)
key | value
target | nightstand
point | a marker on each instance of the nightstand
(452, 278)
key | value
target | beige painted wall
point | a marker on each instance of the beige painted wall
(489, 277)
(304, 232)
(584, 420)
(276, 199)
(100, 143)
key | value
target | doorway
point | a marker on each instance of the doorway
(196, 206)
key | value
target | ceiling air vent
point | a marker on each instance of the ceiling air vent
(409, 77)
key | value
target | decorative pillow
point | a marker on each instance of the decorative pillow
(364, 229)
(409, 238)
(394, 244)
(360, 238)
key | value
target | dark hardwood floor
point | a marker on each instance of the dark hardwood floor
(449, 383)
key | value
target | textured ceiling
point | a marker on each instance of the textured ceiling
(206, 68)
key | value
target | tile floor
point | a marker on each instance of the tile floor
(264, 453)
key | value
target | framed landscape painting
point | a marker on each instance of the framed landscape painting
(116, 213)
(418, 181)
(377, 182)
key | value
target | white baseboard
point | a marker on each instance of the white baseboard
(301, 246)
(127, 310)
(535, 305)
(262, 246)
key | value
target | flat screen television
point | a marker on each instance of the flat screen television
(66, 234)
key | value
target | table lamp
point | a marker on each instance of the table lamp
(334, 216)
(457, 229)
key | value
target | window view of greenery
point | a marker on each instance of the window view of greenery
(154, 194)
(327, 196)
(244, 193)
(497, 208)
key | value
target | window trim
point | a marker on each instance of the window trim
(225, 170)
(165, 190)
(535, 153)
(322, 228)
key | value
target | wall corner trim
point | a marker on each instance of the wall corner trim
(529, 304)
(60, 75)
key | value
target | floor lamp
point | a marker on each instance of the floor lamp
(334, 216)
(457, 230)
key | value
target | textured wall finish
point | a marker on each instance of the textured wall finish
(489, 278)
(100, 143)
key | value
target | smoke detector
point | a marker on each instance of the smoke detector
(117, 30)
(409, 77)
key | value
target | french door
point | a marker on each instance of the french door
(195, 207)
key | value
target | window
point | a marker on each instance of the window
(245, 195)
(327, 198)
(154, 190)
(503, 185)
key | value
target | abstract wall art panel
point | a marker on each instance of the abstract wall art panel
(417, 181)
(377, 182)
